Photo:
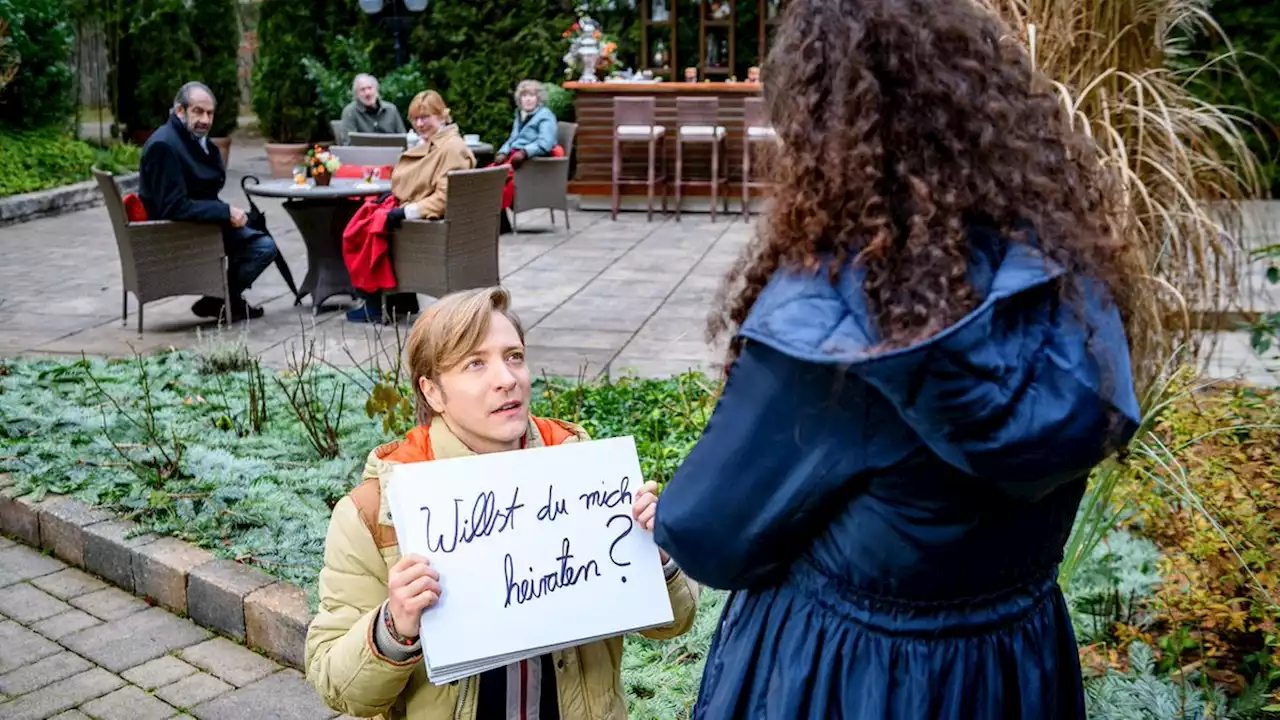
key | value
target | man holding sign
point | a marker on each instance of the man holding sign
(505, 584)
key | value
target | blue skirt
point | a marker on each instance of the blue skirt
(812, 649)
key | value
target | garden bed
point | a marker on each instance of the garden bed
(35, 160)
(246, 462)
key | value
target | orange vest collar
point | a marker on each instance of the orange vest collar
(417, 442)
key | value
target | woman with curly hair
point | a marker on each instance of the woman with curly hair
(928, 355)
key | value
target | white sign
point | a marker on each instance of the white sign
(537, 551)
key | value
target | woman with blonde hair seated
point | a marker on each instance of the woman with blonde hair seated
(420, 186)
(533, 131)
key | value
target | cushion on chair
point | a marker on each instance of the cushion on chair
(134, 210)
(557, 152)
(640, 131)
(761, 133)
(703, 131)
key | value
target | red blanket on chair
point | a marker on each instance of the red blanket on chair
(365, 249)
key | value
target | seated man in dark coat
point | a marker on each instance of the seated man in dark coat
(180, 176)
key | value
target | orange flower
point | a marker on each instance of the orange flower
(596, 34)
(575, 27)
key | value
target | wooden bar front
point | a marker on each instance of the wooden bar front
(593, 147)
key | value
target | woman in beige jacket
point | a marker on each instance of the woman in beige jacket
(420, 183)
(364, 655)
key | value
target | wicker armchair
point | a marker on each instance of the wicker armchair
(377, 139)
(160, 258)
(339, 129)
(437, 257)
(368, 155)
(544, 182)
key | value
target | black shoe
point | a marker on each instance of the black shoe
(207, 307)
(504, 227)
(242, 310)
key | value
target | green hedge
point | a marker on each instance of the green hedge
(199, 42)
(43, 92)
(41, 159)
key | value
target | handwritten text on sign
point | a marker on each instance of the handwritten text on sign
(535, 548)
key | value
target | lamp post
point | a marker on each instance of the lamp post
(399, 23)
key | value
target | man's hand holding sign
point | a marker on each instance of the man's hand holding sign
(538, 551)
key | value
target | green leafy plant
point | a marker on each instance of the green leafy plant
(1265, 330)
(42, 92)
(1140, 694)
(347, 58)
(49, 157)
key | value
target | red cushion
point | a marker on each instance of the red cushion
(557, 151)
(357, 172)
(134, 210)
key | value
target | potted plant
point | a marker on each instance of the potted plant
(321, 164)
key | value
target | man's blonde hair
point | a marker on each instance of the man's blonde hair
(450, 330)
(429, 102)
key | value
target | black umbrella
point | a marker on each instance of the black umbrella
(258, 221)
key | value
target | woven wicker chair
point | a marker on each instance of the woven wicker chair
(377, 139)
(339, 129)
(437, 257)
(543, 182)
(161, 258)
(368, 155)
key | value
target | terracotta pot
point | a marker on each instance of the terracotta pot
(224, 146)
(284, 157)
(322, 179)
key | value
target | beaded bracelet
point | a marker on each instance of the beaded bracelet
(391, 630)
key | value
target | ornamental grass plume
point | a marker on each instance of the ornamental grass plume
(1124, 75)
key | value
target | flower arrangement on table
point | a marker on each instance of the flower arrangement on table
(586, 35)
(322, 164)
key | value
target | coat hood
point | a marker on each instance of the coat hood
(1022, 370)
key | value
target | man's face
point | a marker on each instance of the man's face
(485, 399)
(367, 92)
(198, 114)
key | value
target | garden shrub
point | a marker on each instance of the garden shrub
(200, 43)
(43, 93)
(48, 158)
(349, 58)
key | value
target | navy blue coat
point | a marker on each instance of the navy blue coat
(180, 180)
(891, 524)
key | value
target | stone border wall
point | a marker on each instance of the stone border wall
(58, 201)
(235, 600)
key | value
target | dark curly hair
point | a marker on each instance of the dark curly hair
(901, 124)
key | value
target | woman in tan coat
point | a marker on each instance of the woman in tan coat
(420, 184)
(364, 653)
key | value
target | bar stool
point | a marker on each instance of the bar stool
(697, 122)
(755, 129)
(634, 121)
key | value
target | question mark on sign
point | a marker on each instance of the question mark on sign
(618, 539)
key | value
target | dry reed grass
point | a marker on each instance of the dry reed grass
(1183, 164)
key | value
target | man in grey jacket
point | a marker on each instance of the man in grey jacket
(368, 113)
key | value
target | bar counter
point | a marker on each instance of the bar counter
(593, 147)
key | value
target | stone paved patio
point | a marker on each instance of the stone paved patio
(607, 298)
(73, 648)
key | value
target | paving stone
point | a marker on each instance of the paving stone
(71, 715)
(110, 604)
(108, 550)
(5, 543)
(62, 522)
(160, 571)
(161, 671)
(276, 618)
(22, 647)
(228, 661)
(42, 672)
(62, 695)
(21, 563)
(133, 640)
(195, 689)
(26, 604)
(128, 703)
(72, 621)
(69, 583)
(216, 592)
(20, 516)
(282, 696)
